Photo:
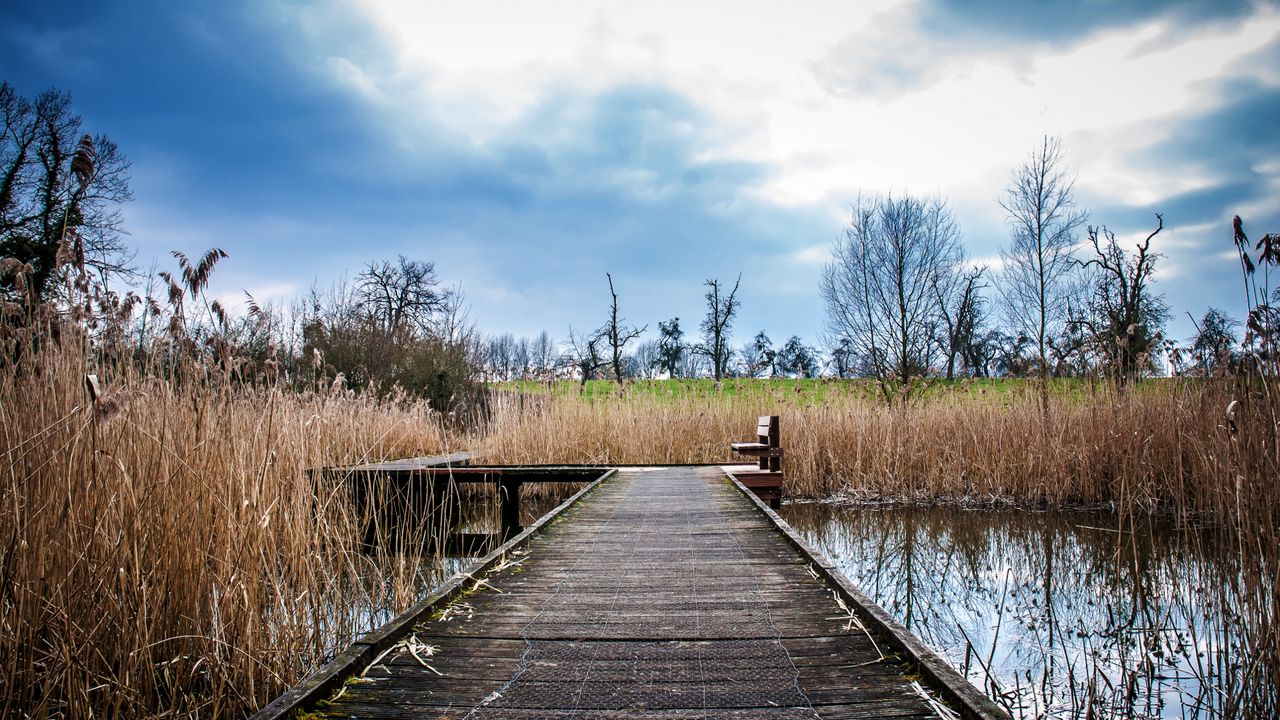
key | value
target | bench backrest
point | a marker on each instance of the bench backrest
(767, 430)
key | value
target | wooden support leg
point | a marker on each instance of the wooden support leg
(446, 502)
(509, 498)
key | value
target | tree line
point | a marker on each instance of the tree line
(616, 350)
(904, 303)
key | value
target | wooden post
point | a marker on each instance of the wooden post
(773, 463)
(509, 498)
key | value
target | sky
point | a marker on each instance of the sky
(527, 148)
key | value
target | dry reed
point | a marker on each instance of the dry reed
(163, 550)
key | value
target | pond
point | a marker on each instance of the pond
(1062, 614)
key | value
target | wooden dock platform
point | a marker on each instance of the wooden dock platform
(665, 592)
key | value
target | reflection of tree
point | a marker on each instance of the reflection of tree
(1116, 621)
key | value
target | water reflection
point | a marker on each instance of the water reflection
(1054, 614)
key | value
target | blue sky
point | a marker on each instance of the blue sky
(528, 148)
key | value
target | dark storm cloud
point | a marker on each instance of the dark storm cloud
(239, 141)
(613, 174)
(195, 86)
(1064, 21)
(1233, 137)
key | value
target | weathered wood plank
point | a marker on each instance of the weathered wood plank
(663, 595)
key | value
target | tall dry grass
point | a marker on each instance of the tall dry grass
(163, 550)
(1133, 451)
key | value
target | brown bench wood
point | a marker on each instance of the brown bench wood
(766, 479)
(768, 444)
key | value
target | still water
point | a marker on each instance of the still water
(1061, 615)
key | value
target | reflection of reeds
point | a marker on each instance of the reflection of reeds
(1081, 634)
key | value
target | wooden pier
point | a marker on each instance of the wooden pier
(663, 592)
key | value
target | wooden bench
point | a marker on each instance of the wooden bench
(766, 480)
(767, 446)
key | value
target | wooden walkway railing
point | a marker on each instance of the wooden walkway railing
(666, 592)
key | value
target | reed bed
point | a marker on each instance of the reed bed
(163, 550)
(1133, 452)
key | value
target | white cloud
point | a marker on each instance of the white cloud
(767, 74)
(812, 255)
(993, 263)
(263, 292)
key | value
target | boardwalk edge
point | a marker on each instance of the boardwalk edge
(325, 681)
(967, 699)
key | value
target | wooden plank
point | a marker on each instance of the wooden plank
(457, 459)
(662, 595)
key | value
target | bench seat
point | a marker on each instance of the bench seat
(767, 448)
(756, 449)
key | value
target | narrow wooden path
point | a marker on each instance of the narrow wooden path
(664, 593)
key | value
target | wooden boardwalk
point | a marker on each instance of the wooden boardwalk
(663, 593)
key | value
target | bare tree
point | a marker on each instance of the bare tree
(452, 320)
(617, 334)
(521, 358)
(721, 310)
(671, 347)
(880, 286)
(400, 297)
(1214, 343)
(960, 304)
(58, 184)
(542, 354)
(647, 359)
(1129, 315)
(1038, 264)
(582, 352)
(843, 356)
(502, 355)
